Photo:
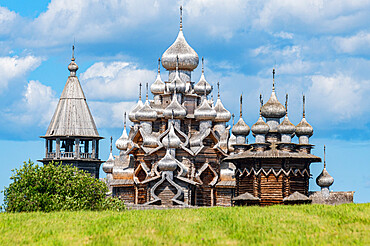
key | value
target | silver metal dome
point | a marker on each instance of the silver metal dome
(188, 58)
(108, 165)
(72, 67)
(204, 112)
(167, 163)
(304, 128)
(174, 109)
(222, 114)
(171, 140)
(146, 113)
(177, 83)
(273, 108)
(240, 128)
(136, 108)
(158, 87)
(260, 127)
(202, 86)
(286, 127)
(122, 142)
(324, 180)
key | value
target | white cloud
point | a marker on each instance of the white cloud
(315, 16)
(218, 18)
(35, 108)
(7, 19)
(16, 67)
(339, 97)
(110, 114)
(89, 21)
(114, 80)
(284, 35)
(357, 44)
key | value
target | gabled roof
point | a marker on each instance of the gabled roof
(72, 116)
(296, 196)
(246, 197)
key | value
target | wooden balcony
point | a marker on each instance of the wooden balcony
(69, 155)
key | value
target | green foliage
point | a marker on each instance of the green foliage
(56, 187)
(347, 224)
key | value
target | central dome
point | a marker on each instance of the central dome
(188, 58)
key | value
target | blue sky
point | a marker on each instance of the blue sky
(319, 48)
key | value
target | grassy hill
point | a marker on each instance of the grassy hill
(276, 225)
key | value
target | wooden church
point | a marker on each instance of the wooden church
(179, 151)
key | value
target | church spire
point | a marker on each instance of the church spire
(72, 67)
(181, 18)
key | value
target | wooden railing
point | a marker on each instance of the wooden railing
(69, 155)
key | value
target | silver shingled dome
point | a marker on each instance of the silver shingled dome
(286, 127)
(158, 87)
(146, 113)
(240, 128)
(202, 85)
(174, 109)
(122, 142)
(171, 140)
(167, 163)
(260, 127)
(222, 114)
(204, 112)
(188, 58)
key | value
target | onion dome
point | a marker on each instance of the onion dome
(137, 107)
(241, 128)
(202, 86)
(174, 109)
(158, 87)
(304, 128)
(188, 58)
(146, 113)
(260, 127)
(273, 108)
(108, 165)
(167, 163)
(222, 115)
(72, 67)
(123, 141)
(286, 127)
(171, 140)
(204, 112)
(177, 83)
(324, 180)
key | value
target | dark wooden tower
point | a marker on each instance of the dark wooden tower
(72, 137)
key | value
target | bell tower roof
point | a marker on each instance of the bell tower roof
(72, 116)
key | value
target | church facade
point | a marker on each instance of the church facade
(181, 151)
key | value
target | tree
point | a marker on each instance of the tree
(55, 187)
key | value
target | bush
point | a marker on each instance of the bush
(55, 187)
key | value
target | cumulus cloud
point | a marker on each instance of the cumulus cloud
(339, 97)
(219, 18)
(114, 80)
(7, 20)
(15, 67)
(36, 106)
(356, 44)
(314, 16)
(110, 114)
(89, 21)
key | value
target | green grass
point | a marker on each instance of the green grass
(276, 225)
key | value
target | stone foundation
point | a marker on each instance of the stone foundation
(335, 197)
